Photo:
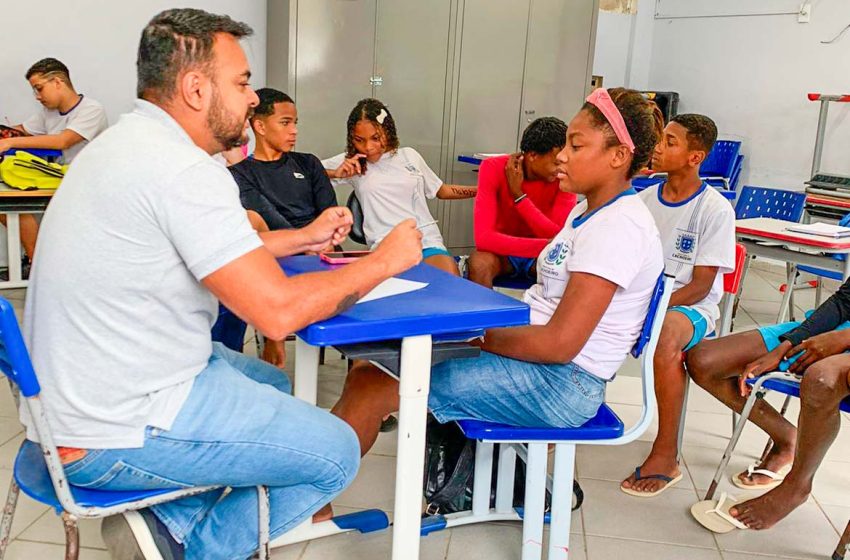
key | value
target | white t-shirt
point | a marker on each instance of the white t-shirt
(116, 318)
(393, 189)
(87, 118)
(699, 231)
(618, 242)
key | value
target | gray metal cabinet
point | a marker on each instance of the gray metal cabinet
(459, 76)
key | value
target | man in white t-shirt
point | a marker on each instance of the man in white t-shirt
(697, 228)
(67, 121)
(118, 313)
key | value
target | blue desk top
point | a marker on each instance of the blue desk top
(447, 305)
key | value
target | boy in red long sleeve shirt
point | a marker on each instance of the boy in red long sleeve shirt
(519, 207)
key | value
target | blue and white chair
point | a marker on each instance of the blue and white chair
(531, 445)
(39, 472)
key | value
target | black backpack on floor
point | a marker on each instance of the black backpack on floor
(450, 468)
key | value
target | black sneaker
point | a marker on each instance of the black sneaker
(390, 424)
(139, 535)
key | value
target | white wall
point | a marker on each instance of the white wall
(624, 46)
(97, 40)
(751, 75)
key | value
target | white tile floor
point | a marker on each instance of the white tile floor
(610, 525)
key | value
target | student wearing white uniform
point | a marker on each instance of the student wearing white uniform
(595, 282)
(67, 121)
(697, 228)
(392, 183)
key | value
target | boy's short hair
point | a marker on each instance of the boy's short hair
(544, 135)
(269, 97)
(49, 67)
(702, 132)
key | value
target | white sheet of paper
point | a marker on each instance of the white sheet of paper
(392, 287)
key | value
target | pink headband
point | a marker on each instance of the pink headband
(600, 99)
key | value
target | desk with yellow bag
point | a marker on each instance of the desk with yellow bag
(28, 183)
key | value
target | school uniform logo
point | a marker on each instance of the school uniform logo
(685, 248)
(686, 243)
(557, 254)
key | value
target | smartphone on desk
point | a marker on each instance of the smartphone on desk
(343, 257)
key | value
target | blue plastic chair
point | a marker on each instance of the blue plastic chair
(39, 472)
(781, 382)
(606, 428)
(763, 202)
(720, 163)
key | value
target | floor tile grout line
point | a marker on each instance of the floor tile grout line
(27, 528)
(650, 541)
(838, 531)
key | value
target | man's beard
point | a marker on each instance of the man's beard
(229, 131)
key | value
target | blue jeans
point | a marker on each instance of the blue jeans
(508, 391)
(239, 428)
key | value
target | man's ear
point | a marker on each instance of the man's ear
(696, 157)
(194, 89)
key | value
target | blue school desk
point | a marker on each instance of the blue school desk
(448, 308)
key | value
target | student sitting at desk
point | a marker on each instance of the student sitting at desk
(67, 121)
(697, 228)
(595, 280)
(392, 183)
(519, 206)
(288, 189)
(817, 349)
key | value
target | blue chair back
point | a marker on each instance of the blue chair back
(14, 358)
(736, 173)
(721, 160)
(761, 202)
(646, 331)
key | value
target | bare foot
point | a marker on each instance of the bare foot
(765, 511)
(780, 456)
(323, 514)
(654, 464)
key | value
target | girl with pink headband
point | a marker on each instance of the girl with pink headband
(594, 283)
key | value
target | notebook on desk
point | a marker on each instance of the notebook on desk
(820, 228)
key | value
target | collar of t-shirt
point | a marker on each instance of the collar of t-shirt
(661, 200)
(579, 220)
(151, 111)
(77, 104)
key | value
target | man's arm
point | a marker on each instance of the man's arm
(61, 141)
(697, 289)
(256, 289)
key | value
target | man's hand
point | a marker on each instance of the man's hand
(768, 362)
(348, 168)
(401, 248)
(514, 174)
(329, 229)
(817, 348)
(6, 144)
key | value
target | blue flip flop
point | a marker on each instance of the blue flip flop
(671, 481)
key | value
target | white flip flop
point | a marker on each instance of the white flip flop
(776, 478)
(714, 515)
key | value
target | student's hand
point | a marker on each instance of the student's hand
(401, 248)
(329, 229)
(514, 174)
(5, 145)
(348, 168)
(768, 362)
(817, 348)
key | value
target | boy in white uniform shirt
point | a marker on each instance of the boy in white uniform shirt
(697, 228)
(67, 121)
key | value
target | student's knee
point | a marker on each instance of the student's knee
(344, 452)
(444, 263)
(702, 363)
(482, 265)
(669, 348)
(825, 383)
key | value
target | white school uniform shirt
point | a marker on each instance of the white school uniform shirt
(699, 231)
(618, 242)
(87, 118)
(395, 188)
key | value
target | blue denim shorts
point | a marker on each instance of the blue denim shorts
(508, 391)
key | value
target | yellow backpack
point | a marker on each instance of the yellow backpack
(27, 172)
